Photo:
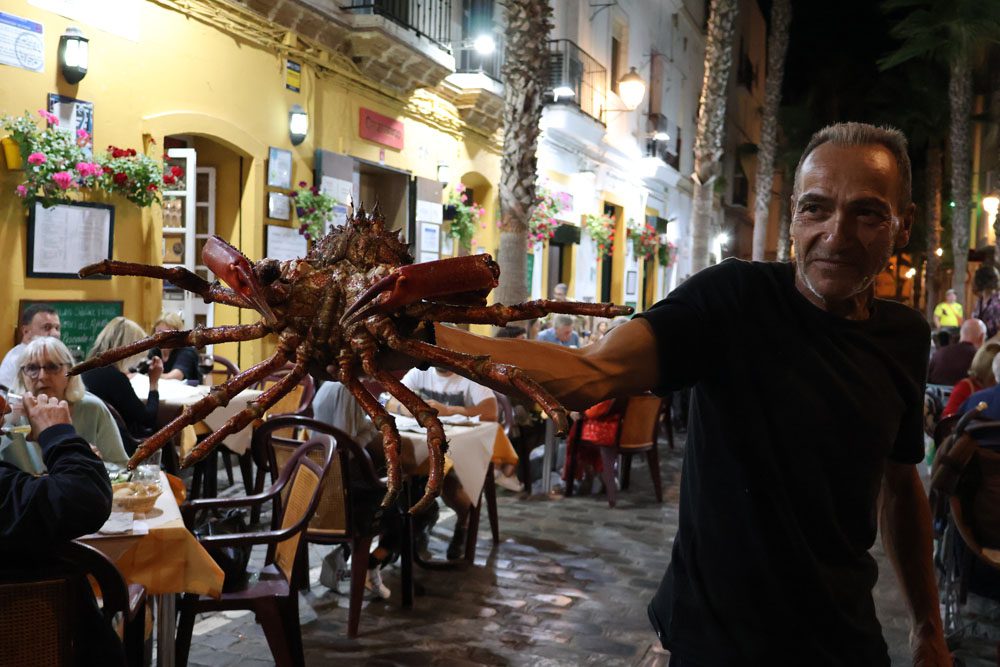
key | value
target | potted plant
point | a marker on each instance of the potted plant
(644, 239)
(133, 175)
(667, 254)
(312, 208)
(466, 218)
(601, 229)
(543, 223)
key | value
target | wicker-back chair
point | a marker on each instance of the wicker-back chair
(338, 518)
(222, 370)
(270, 594)
(43, 600)
(296, 402)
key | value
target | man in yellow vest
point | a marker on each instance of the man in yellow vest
(948, 313)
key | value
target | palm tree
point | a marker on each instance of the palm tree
(711, 122)
(777, 45)
(955, 32)
(527, 59)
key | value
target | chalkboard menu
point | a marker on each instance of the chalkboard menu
(81, 321)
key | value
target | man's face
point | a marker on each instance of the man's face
(42, 324)
(559, 294)
(563, 332)
(846, 220)
(950, 297)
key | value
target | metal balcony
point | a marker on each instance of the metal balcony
(576, 78)
(427, 18)
(470, 61)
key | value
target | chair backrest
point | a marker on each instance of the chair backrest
(505, 411)
(296, 402)
(41, 601)
(303, 477)
(640, 422)
(128, 440)
(333, 514)
(222, 370)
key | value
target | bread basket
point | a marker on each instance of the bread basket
(135, 497)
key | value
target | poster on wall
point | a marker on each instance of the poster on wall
(338, 218)
(430, 238)
(67, 237)
(284, 243)
(74, 116)
(293, 76)
(279, 168)
(21, 43)
(278, 206)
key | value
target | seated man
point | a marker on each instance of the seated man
(949, 364)
(39, 512)
(561, 332)
(450, 394)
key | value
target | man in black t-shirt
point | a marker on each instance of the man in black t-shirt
(796, 426)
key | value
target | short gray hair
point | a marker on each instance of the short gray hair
(563, 320)
(863, 134)
(47, 348)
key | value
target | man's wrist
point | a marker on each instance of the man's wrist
(55, 434)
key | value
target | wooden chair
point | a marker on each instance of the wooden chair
(270, 594)
(41, 601)
(296, 402)
(222, 370)
(637, 434)
(338, 518)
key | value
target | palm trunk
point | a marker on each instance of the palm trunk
(918, 281)
(785, 221)
(711, 122)
(933, 207)
(527, 57)
(777, 45)
(960, 99)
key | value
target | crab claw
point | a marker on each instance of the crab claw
(235, 270)
(454, 280)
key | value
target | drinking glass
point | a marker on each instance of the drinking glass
(148, 472)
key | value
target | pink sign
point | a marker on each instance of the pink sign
(380, 129)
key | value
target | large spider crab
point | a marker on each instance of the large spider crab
(354, 295)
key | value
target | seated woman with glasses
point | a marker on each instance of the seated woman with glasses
(111, 383)
(42, 370)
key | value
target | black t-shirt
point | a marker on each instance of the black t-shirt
(184, 359)
(793, 414)
(113, 387)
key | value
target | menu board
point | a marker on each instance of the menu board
(67, 237)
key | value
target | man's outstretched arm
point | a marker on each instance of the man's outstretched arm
(622, 363)
(906, 535)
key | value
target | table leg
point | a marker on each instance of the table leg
(166, 629)
(406, 548)
(550, 453)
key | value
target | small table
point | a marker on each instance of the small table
(167, 560)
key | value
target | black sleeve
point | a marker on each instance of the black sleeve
(112, 386)
(909, 444)
(73, 499)
(690, 322)
(185, 359)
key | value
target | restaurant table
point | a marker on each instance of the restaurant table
(161, 554)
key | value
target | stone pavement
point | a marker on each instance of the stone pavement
(567, 585)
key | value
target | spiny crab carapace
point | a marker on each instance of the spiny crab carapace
(355, 295)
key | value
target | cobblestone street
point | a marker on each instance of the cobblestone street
(568, 585)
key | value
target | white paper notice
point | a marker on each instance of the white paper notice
(430, 237)
(67, 238)
(285, 243)
(428, 211)
(429, 256)
(337, 188)
(338, 218)
(21, 43)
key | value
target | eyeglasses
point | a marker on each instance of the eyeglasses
(32, 370)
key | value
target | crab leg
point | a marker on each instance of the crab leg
(219, 395)
(383, 421)
(500, 315)
(477, 368)
(197, 337)
(241, 419)
(178, 275)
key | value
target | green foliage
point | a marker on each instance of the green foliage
(467, 216)
(312, 208)
(601, 229)
(942, 30)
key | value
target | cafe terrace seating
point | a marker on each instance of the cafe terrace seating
(270, 594)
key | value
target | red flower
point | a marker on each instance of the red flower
(176, 171)
(120, 178)
(117, 153)
(151, 187)
(168, 179)
(108, 170)
(130, 152)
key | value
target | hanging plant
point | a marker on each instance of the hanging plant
(667, 254)
(543, 223)
(466, 218)
(134, 175)
(644, 239)
(601, 228)
(313, 208)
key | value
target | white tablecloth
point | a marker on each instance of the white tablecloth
(175, 394)
(470, 449)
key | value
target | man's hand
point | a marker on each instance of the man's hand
(44, 411)
(442, 409)
(930, 648)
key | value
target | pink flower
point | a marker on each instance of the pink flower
(482, 211)
(63, 179)
(87, 169)
(50, 118)
(464, 199)
(37, 158)
(460, 187)
(482, 226)
(82, 135)
(22, 191)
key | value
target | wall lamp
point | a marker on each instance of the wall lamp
(631, 89)
(74, 54)
(298, 124)
(444, 173)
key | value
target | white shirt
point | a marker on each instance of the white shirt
(452, 389)
(8, 368)
(335, 405)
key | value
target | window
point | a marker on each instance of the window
(616, 51)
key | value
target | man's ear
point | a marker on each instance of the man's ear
(905, 225)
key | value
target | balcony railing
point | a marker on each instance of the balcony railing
(576, 78)
(429, 18)
(469, 60)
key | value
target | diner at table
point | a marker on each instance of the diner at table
(179, 363)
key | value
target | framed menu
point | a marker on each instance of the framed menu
(67, 237)
(284, 243)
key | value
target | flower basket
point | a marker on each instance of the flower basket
(466, 217)
(601, 229)
(543, 223)
(312, 208)
(12, 154)
(644, 238)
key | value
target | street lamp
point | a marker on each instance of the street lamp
(631, 89)
(298, 124)
(484, 44)
(74, 54)
(939, 252)
(991, 203)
